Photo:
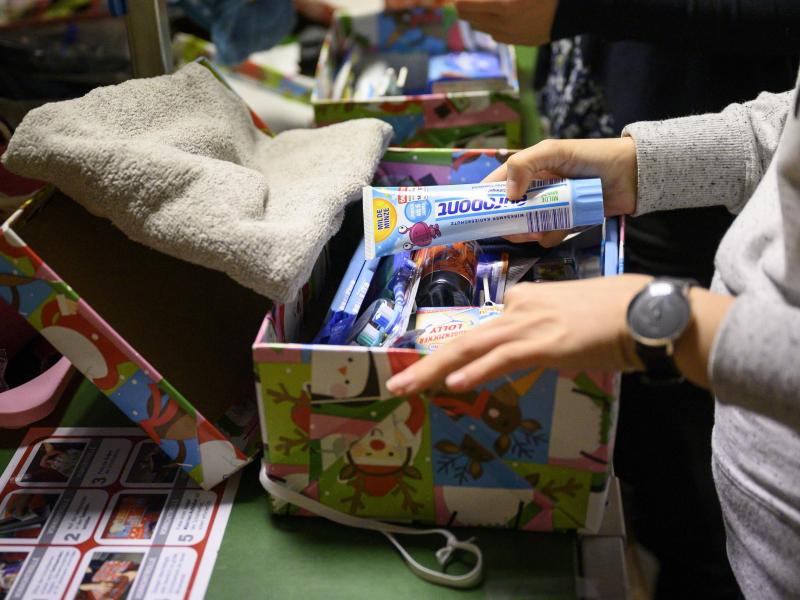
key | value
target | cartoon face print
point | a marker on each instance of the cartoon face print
(381, 463)
(339, 375)
(390, 443)
(420, 234)
(356, 373)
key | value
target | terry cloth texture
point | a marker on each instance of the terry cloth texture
(176, 163)
(747, 158)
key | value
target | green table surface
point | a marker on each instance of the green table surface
(294, 557)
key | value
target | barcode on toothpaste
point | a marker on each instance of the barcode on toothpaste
(550, 219)
(537, 183)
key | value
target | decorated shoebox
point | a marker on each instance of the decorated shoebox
(437, 166)
(482, 113)
(531, 451)
(166, 341)
(171, 349)
(282, 81)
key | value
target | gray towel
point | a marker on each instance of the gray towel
(176, 163)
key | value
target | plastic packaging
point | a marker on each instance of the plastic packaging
(405, 218)
(348, 299)
(408, 340)
(441, 325)
(448, 276)
(492, 274)
(386, 318)
(378, 79)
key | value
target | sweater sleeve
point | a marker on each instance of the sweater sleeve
(707, 160)
(753, 358)
(755, 355)
(732, 26)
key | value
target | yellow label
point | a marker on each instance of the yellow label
(384, 218)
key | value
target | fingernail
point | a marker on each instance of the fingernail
(455, 380)
(398, 383)
(511, 186)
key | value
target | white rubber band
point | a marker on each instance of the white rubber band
(443, 554)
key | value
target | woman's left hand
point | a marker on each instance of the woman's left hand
(574, 324)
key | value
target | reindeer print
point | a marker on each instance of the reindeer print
(300, 415)
(501, 416)
(464, 460)
(553, 489)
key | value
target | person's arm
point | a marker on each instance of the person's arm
(755, 360)
(764, 27)
(731, 26)
(716, 159)
(574, 325)
(582, 324)
(707, 160)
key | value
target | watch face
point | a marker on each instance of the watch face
(659, 312)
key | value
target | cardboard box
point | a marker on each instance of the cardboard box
(530, 452)
(293, 86)
(437, 166)
(159, 315)
(474, 119)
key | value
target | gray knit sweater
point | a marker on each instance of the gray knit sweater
(746, 158)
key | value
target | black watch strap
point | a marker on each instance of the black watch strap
(659, 365)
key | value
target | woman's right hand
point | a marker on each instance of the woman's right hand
(612, 160)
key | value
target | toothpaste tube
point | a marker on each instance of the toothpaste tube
(406, 218)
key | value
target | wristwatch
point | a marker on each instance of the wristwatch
(657, 316)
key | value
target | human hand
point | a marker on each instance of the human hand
(612, 160)
(574, 325)
(524, 22)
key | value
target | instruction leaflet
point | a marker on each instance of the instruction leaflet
(95, 514)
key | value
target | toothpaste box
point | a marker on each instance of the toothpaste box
(483, 116)
(530, 451)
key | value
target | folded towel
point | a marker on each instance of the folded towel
(176, 163)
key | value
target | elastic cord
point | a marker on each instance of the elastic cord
(443, 554)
